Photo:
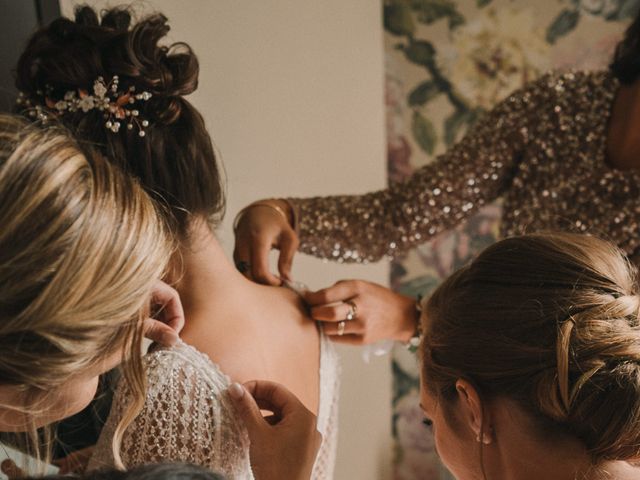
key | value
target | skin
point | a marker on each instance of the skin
(239, 324)
(67, 399)
(290, 435)
(507, 433)
(381, 313)
(623, 136)
(260, 229)
(72, 395)
(481, 439)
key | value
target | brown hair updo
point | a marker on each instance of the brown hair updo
(175, 160)
(551, 322)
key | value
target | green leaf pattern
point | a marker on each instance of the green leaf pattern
(424, 132)
(423, 93)
(563, 24)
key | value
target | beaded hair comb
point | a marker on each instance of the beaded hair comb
(117, 106)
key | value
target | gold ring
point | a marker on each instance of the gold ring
(353, 310)
(341, 325)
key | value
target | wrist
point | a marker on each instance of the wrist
(287, 208)
(282, 207)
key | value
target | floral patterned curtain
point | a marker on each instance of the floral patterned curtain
(447, 61)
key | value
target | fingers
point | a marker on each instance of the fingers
(275, 397)
(335, 312)
(159, 332)
(11, 470)
(241, 256)
(247, 408)
(170, 307)
(351, 327)
(338, 308)
(260, 264)
(288, 247)
(253, 263)
(339, 292)
(259, 229)
(290, 436)
(348, 339)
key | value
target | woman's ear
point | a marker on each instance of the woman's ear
(473, 413)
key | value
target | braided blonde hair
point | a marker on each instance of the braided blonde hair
(80, 249)
(550, 321)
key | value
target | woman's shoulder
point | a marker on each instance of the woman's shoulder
(559, 96)
(573, 82)
(187, 414)
(185, 366)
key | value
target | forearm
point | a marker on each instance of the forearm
(387, 223)
(437, 197)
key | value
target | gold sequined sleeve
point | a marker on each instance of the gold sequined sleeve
(438, 196)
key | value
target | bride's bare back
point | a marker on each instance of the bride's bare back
(235, 330)
(271, 338)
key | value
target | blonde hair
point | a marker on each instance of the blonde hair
(550, 321)
(80, 249)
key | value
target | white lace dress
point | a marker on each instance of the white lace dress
(188, 416)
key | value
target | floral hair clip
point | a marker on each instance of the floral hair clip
(117, 106)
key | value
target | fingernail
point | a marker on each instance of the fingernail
(169, 339)
(236, 391)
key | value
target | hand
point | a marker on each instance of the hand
(259, 229)
(11, 470)
(380, 313)
(167, 317)
(284, 445)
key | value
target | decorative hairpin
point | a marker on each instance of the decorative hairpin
(117, 106)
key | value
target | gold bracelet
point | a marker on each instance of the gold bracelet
(260, 204)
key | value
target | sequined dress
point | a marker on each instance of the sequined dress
(189, 417)
(542, 150)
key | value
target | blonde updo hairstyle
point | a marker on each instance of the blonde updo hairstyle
(549, 321)
(80, 249)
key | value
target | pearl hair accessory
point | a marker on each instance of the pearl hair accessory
(116, 105)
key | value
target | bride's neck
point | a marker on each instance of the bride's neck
(203, 274)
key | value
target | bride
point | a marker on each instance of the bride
(115, 87)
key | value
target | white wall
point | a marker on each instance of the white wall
(292, 91)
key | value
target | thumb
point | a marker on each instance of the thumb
(288, 246)
(247, 408)
(160, 332)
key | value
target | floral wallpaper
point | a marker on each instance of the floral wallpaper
(447, 62)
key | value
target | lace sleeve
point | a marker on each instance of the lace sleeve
(186, 417)
(477, 170)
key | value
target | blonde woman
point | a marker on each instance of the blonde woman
(81, 252)
(81, 249)
(531, 362)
